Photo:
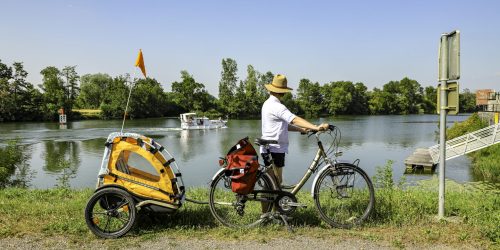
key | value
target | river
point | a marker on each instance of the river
(372, 139)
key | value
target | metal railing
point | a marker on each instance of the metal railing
(468, 143)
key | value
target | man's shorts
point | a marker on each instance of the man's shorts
(279, 159)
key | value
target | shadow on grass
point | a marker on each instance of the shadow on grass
(183, 218)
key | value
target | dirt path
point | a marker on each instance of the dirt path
(33, 242)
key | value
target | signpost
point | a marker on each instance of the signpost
(449, 71)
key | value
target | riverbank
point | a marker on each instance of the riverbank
(485, 162)
(403, 218)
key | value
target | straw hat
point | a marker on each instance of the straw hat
(278, 85)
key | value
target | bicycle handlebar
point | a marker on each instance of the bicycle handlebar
(313, 132)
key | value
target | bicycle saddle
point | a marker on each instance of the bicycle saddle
(262, 142)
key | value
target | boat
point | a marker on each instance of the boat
(191, 121)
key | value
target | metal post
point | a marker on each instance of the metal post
(442, 123)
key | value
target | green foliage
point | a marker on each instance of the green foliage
(253, 100)
(227, 87)
(190, 95)
(467, 102)
(54, 93)
(486, 163)
(93, 89)
(472, 123)
(14, 170)
(71, 79)
(114, 98)
(19, 100)
(397, 97)
(147, 99)
(417, 204)
(429, 102)
(309, 97)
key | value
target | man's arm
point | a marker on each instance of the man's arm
(302, 123)
(296, 129)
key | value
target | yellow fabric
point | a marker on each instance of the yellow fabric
(139, 62)
(496, 118)
(161, 181)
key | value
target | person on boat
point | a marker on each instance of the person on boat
(277, 120)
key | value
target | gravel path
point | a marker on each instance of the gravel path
(32, 242)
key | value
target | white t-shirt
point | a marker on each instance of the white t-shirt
(275, 120)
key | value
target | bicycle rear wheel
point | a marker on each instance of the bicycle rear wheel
(344, 195)
(235, 210)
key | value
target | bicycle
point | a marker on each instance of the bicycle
(343, 193)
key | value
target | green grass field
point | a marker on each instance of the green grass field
(401, 217)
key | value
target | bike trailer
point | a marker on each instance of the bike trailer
(136, 164)
(241, 166)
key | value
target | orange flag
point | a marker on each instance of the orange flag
(140, 63)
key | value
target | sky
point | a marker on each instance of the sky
(373, 42)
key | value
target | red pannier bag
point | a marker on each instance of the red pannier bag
(242, 166)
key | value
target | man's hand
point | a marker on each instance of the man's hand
(323, 127)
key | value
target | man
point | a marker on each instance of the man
(277, 120)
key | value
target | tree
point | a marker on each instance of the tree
(381, 102)
(338, 97)
(467, 102)
(71, 84)
(252, 95)
(54, 95)
(410, 95)
(6, 101)
(309, 97)
(261, 89)
(93, 88)
(147, 99)
(359, 104)
(429, 100)
(115, 98)
(19, 84)
(191, 95)
(27, 99)
(239, 104)
(227, 85)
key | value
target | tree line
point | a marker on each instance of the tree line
(20, 100)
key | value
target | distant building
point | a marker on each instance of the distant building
(488, 100)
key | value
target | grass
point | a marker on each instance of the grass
(402, 217)
(89, 113)
(485, 162)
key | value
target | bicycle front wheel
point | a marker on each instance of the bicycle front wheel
(235, 210)
(344, 195)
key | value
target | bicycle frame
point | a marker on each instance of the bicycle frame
(313, 167)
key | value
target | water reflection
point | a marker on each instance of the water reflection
(16, 172)
(58, 152)
(77, 151)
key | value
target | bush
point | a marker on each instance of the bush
(472, 123)
(12, 161)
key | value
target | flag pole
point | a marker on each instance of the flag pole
(139, 62)
(128, 100)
